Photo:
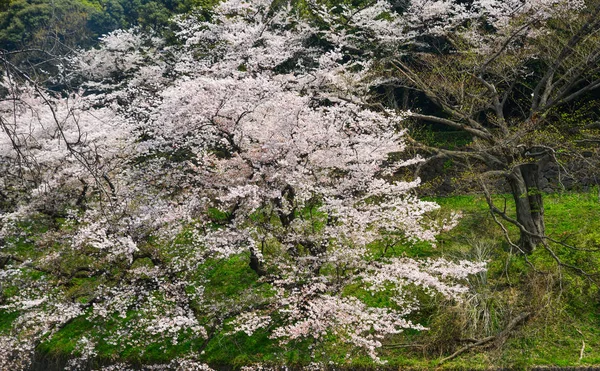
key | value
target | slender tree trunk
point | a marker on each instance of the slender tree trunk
(524, 183)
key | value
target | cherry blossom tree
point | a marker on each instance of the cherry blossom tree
(508, 87)
(503, 72)
(241, 141)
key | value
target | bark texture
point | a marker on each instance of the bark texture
(524, 183)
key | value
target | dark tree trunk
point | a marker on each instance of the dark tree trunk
(524, 183)
(256, 265)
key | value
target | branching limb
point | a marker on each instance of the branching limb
(498, 339)
(543, 238)
(545, 82)
(453, 124)
(484, 157)
(477, 128)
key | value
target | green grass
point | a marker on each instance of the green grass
(566, 306)
(6, 321)
(65, 340)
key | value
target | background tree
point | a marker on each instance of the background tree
(38, 36)
(504, 73)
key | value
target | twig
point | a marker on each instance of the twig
(408, 345)
(497, 338)
(582, 345)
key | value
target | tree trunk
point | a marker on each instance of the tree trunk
(524, 183)
(256, 265)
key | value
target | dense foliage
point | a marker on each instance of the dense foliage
(52, 25)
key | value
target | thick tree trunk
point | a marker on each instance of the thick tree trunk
(524, 183)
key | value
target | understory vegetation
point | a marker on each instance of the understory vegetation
(563, 328)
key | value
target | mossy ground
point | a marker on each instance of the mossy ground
(565, 305)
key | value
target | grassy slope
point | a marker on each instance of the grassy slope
(566, 307)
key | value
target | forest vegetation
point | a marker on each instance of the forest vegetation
(310, 184)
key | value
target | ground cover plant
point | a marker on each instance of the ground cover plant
(566, 309)
(234, 195)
